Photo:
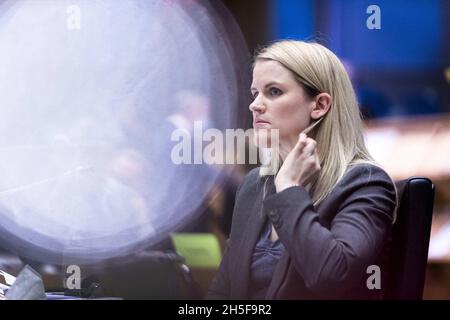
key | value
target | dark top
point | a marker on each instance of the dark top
(264, 260)
(328, 248)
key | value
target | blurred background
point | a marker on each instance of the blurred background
(401, 74)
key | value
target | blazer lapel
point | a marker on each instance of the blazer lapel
(278, 276)
(250, 235)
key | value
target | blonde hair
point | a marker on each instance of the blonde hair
(339, 136)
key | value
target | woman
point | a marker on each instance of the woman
(313, 229)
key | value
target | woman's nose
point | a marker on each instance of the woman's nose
(256, 106)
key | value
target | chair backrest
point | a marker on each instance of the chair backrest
(410, 239)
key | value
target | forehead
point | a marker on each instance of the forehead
(270, 70)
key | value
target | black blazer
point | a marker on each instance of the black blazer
(328, 248)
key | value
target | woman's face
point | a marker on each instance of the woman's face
(279, 103)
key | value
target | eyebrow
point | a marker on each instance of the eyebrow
(267, 85)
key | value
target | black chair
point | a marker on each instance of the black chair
(410, 239)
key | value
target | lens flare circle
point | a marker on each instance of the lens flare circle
(90, 93)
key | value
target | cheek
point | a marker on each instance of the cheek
(291, 121)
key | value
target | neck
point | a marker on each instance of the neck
(285, 148)
(283, 154)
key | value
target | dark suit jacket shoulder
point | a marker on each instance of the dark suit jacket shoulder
(328, 247)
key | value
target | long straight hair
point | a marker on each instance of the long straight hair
(339, 135)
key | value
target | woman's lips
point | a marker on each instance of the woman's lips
(261, 124)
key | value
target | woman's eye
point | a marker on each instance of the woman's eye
(254, 94)
(275, 92)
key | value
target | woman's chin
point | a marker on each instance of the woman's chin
(264, 138)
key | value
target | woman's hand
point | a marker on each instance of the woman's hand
(300, 165)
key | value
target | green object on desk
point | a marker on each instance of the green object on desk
(199, 249)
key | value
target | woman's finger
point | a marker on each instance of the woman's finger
(316, 156)
(308, 150)
(301, 143)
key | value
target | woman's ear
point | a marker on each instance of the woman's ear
(321, 106)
